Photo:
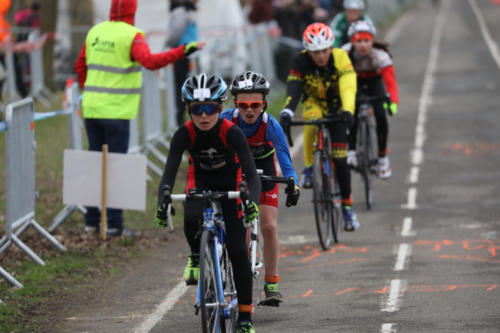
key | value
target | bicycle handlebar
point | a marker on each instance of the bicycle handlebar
(206, 194)
(317, 122)
(361, 98)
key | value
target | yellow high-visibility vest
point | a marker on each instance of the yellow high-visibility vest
(112, 89)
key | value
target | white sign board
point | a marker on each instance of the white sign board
(126, 179)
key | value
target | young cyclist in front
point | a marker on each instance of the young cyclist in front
(354, 10)
(375, 76)
(219, 153)
(324, 76)
(267, 141)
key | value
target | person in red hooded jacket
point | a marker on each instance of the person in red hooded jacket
(109, 71)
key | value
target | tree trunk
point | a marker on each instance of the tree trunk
(82, 15)
(48, 20)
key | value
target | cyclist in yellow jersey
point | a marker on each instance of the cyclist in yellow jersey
(324, 77)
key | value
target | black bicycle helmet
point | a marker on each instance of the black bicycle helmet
(204, 88)
(249, 82)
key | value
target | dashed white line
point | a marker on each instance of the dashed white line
(413, 176)
(393, 301)
(388, 328)
(406, 230)
(411, 203)
(404, 252)
(417, 156)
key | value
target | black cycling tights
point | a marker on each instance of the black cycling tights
(373, 87)
(338, 135)
(235, 242)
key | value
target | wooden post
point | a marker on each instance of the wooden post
(104, 219)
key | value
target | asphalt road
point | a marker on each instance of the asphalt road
(427, 256)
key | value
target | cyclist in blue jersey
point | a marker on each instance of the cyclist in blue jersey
(267, 141)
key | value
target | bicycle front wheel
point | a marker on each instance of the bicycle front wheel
(208, 285)
(364, 161)
(322, 199)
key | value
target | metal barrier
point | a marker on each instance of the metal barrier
(11, 75)
(38, 89)
(20, 178)
(75, 142)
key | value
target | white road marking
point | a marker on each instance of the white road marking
(300, 239)
(393, 301)
(396, 29)
(162, 308)
(492, 46)
(489, 235)
(388, 328)
(417, 156)
(411, 204)
(413, 176)
(406, 230)
(402, 259)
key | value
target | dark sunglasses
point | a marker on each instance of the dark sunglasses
(209, 109)
(245, 105)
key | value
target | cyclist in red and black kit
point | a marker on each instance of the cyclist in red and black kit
(376, 77)
(219, 153)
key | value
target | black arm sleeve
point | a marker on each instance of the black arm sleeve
(180, 142)
(238, 141)
(294, 86)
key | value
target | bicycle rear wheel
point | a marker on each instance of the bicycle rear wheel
(364, 160)
(322, 200)
(208, 286)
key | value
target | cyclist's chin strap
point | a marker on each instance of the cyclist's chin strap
(245, 308)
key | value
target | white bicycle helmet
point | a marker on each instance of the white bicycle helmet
(204, 88)
(361, 26)
(354, 4)
(317, 36)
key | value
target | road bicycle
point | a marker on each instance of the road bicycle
(216, 296)
(254, 246)
(366, 144)
(327, 199)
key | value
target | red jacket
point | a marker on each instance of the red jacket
(124, 10)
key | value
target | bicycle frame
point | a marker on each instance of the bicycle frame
(213, 223)
(326, 196)
(256, 257)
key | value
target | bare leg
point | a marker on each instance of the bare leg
(269, 229)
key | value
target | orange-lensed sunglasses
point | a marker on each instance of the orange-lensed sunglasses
(246, 105)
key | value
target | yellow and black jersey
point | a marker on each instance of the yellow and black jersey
(334, 83)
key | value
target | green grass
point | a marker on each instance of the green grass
(62, 276)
